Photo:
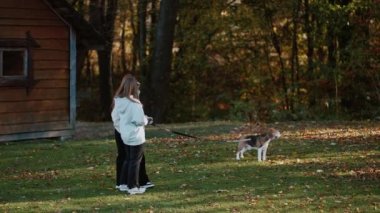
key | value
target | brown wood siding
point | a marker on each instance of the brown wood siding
(34, 94)
(51, 74)
(49, 55)
(32, 117)
(33, 106)
(30, 22)
(48, 84)
(54, 45)
(33, 127)
(25, 4)
(45, 106)
(37, 32)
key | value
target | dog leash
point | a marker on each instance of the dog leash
(195, 137)
(175, 132)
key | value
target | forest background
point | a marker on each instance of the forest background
(260, 60)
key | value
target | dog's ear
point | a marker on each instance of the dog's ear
(274, 132)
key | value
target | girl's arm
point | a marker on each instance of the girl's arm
(138, 116)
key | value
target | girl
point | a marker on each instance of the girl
(129, 120)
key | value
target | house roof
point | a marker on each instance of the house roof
(87, 34)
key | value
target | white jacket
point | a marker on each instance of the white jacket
(129, 120)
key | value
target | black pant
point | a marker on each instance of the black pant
(131, 165)
(121, 157)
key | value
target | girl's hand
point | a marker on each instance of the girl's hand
(150, 120)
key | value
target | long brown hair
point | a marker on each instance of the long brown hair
(128, 87)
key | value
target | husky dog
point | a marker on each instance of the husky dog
(259, 142)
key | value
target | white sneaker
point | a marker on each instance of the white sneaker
(147, 185)
(123, 188)
(136, 191)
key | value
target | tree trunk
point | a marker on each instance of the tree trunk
(142, 9)
(102, 16)
(162, 57)
(295, 61)
(309, 54)
(331, 60)
(153, 17)
(134, 38)
(344, 36)
(276, 44)
(337, 36)
(123, 50)
(142, 55)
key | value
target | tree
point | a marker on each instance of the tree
(162, 57)
(310, 51)
(295, 55)
(102, 17)
(142, 51)
(277, 59)
(269, 13)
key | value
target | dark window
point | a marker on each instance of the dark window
(16, 55)
(13, 62)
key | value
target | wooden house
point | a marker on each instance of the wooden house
(39, 42)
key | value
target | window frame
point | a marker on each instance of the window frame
(25, 62)
(26, 44)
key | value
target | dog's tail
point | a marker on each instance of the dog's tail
(238, 141)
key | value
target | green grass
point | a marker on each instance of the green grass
(313, 167)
